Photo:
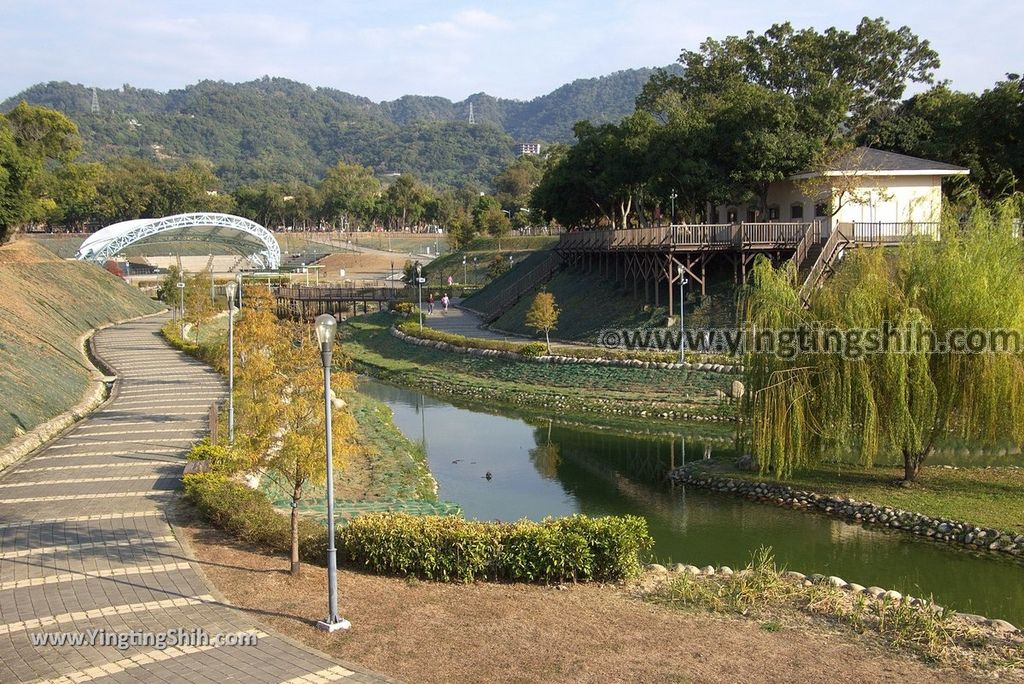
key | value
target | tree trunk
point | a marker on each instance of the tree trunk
(912, 463)
(295, 566)
(547, 338)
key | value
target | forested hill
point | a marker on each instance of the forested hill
(275, 129)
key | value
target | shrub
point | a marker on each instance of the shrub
(244, 512)
(454, 549)
(222, 459)
(406, 308)
(449, 549)
(533, 349)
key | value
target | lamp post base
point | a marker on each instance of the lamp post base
(325, 626)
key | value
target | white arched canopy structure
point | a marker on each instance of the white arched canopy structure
(237, 233)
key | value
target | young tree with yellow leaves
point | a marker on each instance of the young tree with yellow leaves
(280, 422)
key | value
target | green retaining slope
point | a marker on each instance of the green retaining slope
(483, 299)
(48, 304)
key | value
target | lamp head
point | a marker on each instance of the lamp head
(230, 289)
(326, 329)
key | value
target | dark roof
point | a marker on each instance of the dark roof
(869, 159)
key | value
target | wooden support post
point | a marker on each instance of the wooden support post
(214, 424)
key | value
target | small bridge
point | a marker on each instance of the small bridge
(306, 302)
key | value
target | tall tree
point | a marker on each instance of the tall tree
(347, 192)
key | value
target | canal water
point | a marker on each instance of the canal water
(539, 467)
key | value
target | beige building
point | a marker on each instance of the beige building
(862, 186)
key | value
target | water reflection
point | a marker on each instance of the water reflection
(542, 467)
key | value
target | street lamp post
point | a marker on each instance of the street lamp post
(230, 290)
(419, 287)
(673, 198)
(238, 280)
(326, 329)
(391, 282)
(682, 330)
(465, 278)
(181, 305)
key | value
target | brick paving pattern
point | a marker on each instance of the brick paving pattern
(85, 543)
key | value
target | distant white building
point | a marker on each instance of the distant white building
(863, 185)
(528, 148)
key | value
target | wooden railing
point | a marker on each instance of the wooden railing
(889, 233)
(688, 236)
(811, 237)
(335, 294)
(838, 240)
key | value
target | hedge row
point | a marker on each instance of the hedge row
(448, 549)
(209, 354)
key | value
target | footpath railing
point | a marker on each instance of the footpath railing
(516, 289)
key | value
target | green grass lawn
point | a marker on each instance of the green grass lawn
(987, 497)
(368, 341)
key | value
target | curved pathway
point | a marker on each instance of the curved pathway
(86, 550)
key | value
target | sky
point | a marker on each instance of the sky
(384, 49)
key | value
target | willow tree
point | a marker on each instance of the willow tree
(903, 394)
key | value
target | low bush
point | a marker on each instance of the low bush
(222, 459)
(533, 349)
(406, 308)
(207, 353)
(441, 548)
(454, 549)
(245, 513)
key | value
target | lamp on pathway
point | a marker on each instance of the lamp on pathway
(326, 329)
(682, 330)
(230, 290)
(419, 286)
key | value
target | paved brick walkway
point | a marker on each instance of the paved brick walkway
(85, 543)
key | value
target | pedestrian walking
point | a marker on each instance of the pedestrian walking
(445, 300)
(430, 303)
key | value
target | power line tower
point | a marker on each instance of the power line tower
(472, 120)
(95, 102)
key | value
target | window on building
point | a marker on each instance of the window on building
(773, 213)
(820, 210)
(751, 215)
(731, 216)
(796, 211)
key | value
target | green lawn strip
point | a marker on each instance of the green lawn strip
(577, 387)
(397, 466)
(394, 467)
(985, 497)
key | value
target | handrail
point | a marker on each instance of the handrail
(699, 235)
(837, 240)
(811, 237)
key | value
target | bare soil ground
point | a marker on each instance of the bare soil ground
(427, 632)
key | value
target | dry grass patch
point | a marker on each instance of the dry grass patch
(488, 632)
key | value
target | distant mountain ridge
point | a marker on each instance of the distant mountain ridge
(276, 129)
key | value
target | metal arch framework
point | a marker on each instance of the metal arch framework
(243, 235)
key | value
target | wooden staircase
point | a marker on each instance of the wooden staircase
(817, 260)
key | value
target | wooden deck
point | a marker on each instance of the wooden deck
(659, 256)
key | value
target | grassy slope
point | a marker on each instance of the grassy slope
(48, 304)
(988, 497)
(590, 303)
(483, 250)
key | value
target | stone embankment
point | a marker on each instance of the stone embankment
(864, 512)
(996, 626)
